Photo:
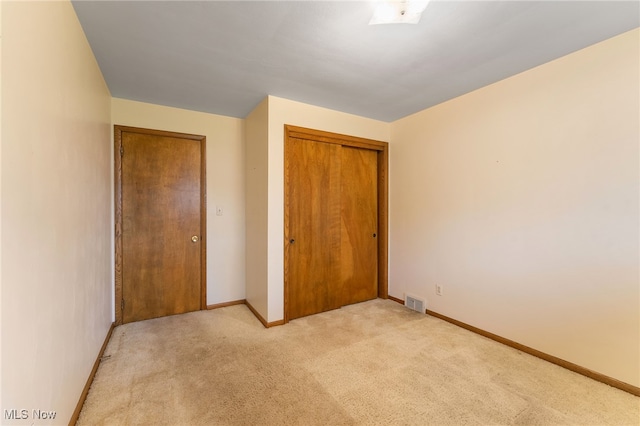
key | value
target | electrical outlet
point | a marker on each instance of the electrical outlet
(439, 289)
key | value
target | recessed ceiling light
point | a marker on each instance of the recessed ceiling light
(398, 11)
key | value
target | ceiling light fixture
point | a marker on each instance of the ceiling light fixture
(398, 11)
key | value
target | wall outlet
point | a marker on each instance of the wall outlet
(439, 289)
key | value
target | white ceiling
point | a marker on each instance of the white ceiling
(224, 57)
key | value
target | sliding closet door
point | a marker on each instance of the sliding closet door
(359, 225)
(331, 225)
(314, 227)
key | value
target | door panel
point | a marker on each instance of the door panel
(161, 212)
(314, 227)
(359, 225)
(335, 201)
(332, 219)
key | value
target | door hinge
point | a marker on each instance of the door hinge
(121, 150)
(122, 305)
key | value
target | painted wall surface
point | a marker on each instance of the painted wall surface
(257, 172)
(55, 166)
(521, 200)
(281, 112)
(0, 202)
(225, 186)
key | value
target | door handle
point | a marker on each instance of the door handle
(292, 241)
(195, 238)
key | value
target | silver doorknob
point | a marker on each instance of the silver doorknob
(195, 238)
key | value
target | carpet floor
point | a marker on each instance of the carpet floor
(373, 363)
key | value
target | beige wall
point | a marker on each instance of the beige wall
(281, 112)
(256, 172)
(1, 405)
(521, 200)
(56, 203)
(225, 186)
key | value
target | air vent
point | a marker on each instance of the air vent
(415, 304)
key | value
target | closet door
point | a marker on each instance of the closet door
(359, 225)
(332, 217)
(314, 227)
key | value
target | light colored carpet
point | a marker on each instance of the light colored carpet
(374, 363)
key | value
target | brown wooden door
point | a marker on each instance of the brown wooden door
(162, 219)
(314, 246)
(359, 227)
(332, 226)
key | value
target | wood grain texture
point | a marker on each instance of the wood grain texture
(160, 204)
(335, 138)
(381, 152)
(359, 225)
(383, 222)
(117, 170)
(161, 213)
(203, 222)
(634, 390)
(314, 228)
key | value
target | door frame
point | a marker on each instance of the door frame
(382, 149)
(117, 155)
